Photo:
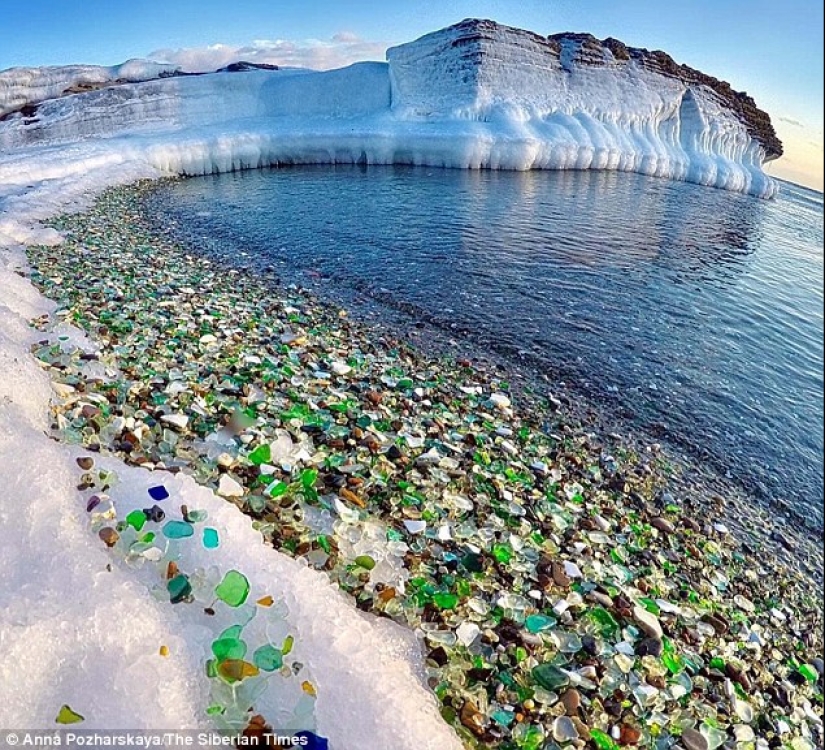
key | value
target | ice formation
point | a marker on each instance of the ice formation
(474, 95)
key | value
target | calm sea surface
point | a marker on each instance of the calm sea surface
(696, 311)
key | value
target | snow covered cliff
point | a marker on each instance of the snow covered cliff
(570, 101)
(474, 95)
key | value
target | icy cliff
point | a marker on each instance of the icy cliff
(570, 101)
(474, 95)
(24, 87)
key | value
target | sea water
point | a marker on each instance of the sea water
(698, 313)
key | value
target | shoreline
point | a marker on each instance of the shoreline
(536, 370)
(565, 524)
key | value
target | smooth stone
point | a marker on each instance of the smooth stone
(744, 711)
(743, 733)
(744, 603)
(564, 730)
(500, 401)
(415, 527)
(472, 718)
(601, 599)
(228, 487)
(648, 622)
(155, 513)
(717, 622)
(85, 462)
(624, 663)
(109, 536)
(663, 525)
(628, 735)
(571, 701)
(467, 632)
(176, 420)
(693, 740)
(560, 577)
(590, 645)
(649, 647)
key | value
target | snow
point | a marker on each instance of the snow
(73, 631)
(19, 86)
(431, 104)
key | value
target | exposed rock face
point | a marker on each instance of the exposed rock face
(242, 66)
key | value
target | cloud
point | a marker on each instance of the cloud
(343, 49)
(791, 121)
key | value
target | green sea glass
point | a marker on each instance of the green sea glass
(233, 589)
(268, 658)
(136, 519)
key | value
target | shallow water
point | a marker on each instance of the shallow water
(696, 311)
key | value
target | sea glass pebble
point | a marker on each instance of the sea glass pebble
(210, 538)
(155, 513)
(179, 588)
(67, 715)
(268, 658)
(177, 530)
(136, 519)
(158, 493)
(229, 648)
(233, 589)
(235, 670)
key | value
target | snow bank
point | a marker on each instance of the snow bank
(75, 632)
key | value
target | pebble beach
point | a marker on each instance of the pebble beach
(571, 584)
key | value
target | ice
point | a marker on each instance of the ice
(431, 104)
(20, 86)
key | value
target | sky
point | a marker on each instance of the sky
(772, 50)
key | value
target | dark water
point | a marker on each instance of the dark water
(696, 311)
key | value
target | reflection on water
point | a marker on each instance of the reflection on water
(697, 310)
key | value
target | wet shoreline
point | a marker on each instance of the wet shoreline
(538, 489)
(628, 387)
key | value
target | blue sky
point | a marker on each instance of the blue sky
(772, 50)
